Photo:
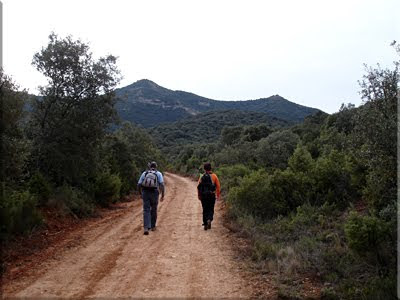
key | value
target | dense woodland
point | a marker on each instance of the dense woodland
(316, 198)
(207, 127)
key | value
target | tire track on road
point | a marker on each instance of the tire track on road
(130, 262)
(115, 259)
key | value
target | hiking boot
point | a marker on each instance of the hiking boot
(205, 226)
(146, 232)
(153, 228)
(208, 224)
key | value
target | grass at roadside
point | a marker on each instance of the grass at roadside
(306, 256)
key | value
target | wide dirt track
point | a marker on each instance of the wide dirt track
(114, 259)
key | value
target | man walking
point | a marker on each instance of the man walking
(150, 184)
(208, 191)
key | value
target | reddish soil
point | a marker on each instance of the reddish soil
(21, 256)
(108, 256)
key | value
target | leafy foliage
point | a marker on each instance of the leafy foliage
(72, 200)
(376, 133)
(365, 233)
(17, 207)
(127, 152)
(231, 176)
(275, 150)
(332, 180)
(107, 189)
(76, 107)
(39, 186)
(14, 146)
(18, 213)
(207, 127)
(301, 160)
(231, 135)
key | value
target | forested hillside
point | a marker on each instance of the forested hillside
(317, 199)
(148, 104)
(207, 127)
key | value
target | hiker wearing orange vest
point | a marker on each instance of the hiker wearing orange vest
(208, 191)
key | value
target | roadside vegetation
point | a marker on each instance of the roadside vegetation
(318, 199)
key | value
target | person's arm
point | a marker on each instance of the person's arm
(198, 191)
(162, 190)
(217, 186)
(139, 185)
(161, 185)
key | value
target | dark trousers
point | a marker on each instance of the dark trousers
(208, 203)
(150, 203)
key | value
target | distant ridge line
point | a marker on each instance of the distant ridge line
(148, 104)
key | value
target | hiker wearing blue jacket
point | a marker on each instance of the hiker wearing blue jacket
(150, 184)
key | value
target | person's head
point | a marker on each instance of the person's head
(207, 167)
(153, 165)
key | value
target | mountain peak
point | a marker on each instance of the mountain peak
(276, 97)
(147, 84)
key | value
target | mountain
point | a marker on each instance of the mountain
(148, 104)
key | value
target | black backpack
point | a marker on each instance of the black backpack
(206, 186)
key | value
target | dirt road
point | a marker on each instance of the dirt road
(114, 258)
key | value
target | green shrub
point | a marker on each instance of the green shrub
(193, 163)
(73, 200)
(333, 180)
(288, 190)
(266, 196)
(263, 250)
(127, 186)
(381, 288)
(381, 187)
(18, 213)
(229, 155)
(363, 232)
(305, 216)
(373, 239)
(231, 176)
(250, 197)
(107, 189)
(301, 160)
(128, 174)
(275, 150)
(40, 187)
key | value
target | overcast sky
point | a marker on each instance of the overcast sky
(310, 52)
